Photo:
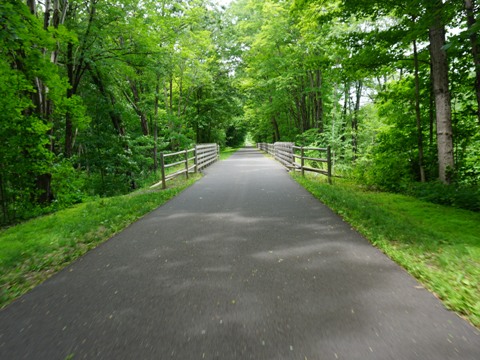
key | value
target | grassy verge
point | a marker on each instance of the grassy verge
(438, 245)
(32, 251)
(225, 153)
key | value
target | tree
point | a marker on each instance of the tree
(471, 14)
(441, 90)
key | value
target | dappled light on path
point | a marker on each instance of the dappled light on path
(245, 264)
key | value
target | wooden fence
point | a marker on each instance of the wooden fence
(284, 153)
(187, 161)
(268, 148)
(295, 157)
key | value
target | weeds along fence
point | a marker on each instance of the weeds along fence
(186, 161)
(300, 158)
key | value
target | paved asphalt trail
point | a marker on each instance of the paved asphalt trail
(245, 264)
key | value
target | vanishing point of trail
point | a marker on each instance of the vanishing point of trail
(245, 264)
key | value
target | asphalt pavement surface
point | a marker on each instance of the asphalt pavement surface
(245, 264)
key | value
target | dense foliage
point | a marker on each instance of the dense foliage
(92, 90)
(393, 87)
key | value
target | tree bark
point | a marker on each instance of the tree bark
(471, 21)
(442, 94)
(155, 126)
(32, 7)
(135, 102)
(319, 102)
(75, 72)
(358, 90)
(417, 114)
(276, 130)
(110, 98)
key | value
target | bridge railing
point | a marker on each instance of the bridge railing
(268, 148)
(284, 153)
(206, 154)
(300, 158)
(186, 161)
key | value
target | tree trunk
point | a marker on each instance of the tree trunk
(3, 200)
(110, 98)
(171, 94)
(44, 110)
(346, 101)
(155, 126)
(32, 7)
(417, 114)
(43, 184)
(75, 71)
(70, 92)
(135, 102)
(319, 102)
(316, 101)
(358, 90)
(471, 21)
(431, 109)
(442, 95)
(276, 131)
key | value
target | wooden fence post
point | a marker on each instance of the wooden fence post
(186, 164)
(329, 164)
(162, 168)
(302, 161)
(195, 156)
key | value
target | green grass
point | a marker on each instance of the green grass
(438, 245)
(32, 251)
(225, 153)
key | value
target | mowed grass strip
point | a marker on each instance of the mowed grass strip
(438, 245)
(32, 251)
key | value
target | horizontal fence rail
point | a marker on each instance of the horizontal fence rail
(284, 153)
(205, 154)
(301, 158)
(187, 161)
(268, 148)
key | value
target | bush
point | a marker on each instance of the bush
(457, 195)
(66, 185)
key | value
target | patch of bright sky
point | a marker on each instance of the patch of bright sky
(223, 2)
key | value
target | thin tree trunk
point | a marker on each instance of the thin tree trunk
(135, 102)
(180, 94)
(43, 109)
(110, 98)
(155, 126)
(358, 89)
(171, 94)
(346, 101)
(417, 113)
(70, 92)
(431, 109)
(32, 7)
(471, 21)
(75, 71)
(319, 102)
(442, 94)
(3, 200)
(276, 130)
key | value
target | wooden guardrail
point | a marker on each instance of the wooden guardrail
(287, 154)
(202, 156)
(268, 148)
(313, 160)
(206, 154)
(284, 153)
